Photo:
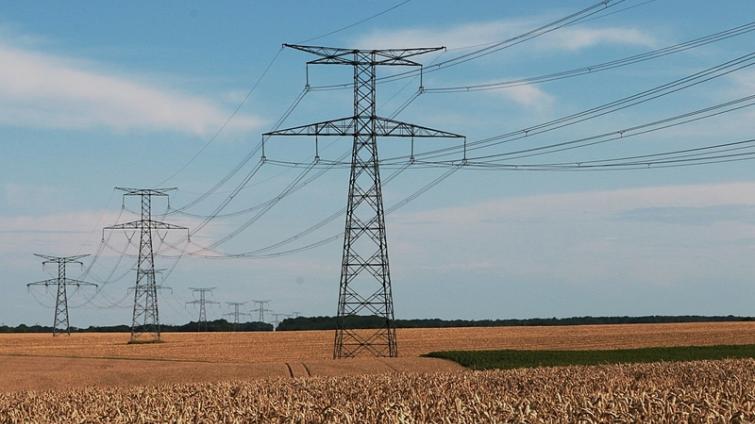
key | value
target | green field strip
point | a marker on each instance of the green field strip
(509, 359)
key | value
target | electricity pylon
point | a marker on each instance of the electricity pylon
(157, 286)
(60, 321)
(261, 309)
(145, 322)
(277, 320)
(365, 247)
(202, 302)
(236, 313)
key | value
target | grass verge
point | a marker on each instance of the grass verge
(508, 359)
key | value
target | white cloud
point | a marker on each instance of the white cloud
(616, 236)
(480, 33)
(26, 195)
(580, 38)
(42, 90)
(76, 232)
(604, 202)
(744, 81)
(529, 96)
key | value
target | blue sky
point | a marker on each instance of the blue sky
(96, 94)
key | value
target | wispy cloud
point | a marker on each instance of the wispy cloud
(62, 233)
(703, 215)
(48, 91)
(592, 237)
(529, 96)
(477, 33)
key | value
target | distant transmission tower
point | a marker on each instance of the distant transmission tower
(60, 321)
(261, 309)
(236, 314)
(145, 323)
(277, 320)
(157, 286)
(202, 302)
(365, 286)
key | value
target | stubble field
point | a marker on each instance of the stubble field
(41, 362)
(289, 377)
(280, 346)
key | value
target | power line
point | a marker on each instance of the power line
(676, 120)
(359, 22)
(60, 321)
(662, 90)
(590, 69)
(260, 253)
(145, 325)
(236, 314)
(228, 119)
(496, 46)
(261, 309)
(202, 302)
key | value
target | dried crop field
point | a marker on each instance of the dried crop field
(41, 362)
(317, 345)
(705, 391)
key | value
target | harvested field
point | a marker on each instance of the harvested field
(40, 362)
(318, 345)
(62, 374)
(706, 391)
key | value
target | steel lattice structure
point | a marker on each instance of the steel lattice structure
(145, 323)
(277, 319)
(365, 284)
(202, 302)
(261, 309)
(60, 321)
(236, 314)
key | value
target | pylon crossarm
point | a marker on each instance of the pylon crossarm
(384, 127)
(78, 283)
(60, 259)
(339, 56)
(46, 283)
(334, 127)
(139, 224)
(145, 191)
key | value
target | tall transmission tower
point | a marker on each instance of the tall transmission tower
(236, 314)
(277, 320)
(60, 321)
(157, 286)
(260, 309)
(365, 284)
(145, 322)
(202, 302)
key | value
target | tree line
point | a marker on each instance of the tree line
(329, 323)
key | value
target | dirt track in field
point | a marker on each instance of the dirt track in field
(39, 361)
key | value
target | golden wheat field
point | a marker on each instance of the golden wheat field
(317, 345)
(704, 392)
(41, 362)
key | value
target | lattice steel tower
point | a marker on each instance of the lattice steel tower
(365, 285)
(60, 321)
(202, 302)
(145, 323)
(261, 309)
(236, 314)
(277, 320)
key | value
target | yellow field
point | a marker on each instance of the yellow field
(318, 345)
(41, 362)
(705, 392)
